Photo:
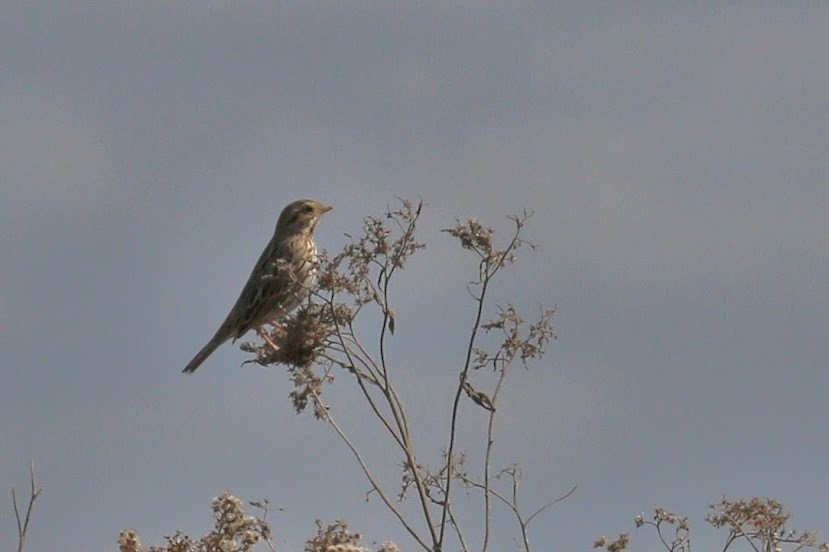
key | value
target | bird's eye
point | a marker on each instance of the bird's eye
(308, 208)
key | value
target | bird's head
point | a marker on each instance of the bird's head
(301, 216)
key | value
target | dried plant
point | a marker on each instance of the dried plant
(233, 531)
(619, 544)
(335, 538)
(759, 522)
(21, 518)
(321, 340)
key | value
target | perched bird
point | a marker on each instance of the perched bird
(280, 281)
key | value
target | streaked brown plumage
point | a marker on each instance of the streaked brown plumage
(281, 279)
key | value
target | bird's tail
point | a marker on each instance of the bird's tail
(202, 355)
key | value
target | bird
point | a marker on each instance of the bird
(279, 282)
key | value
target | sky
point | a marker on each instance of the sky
(674, 155)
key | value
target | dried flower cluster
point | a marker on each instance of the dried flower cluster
(478, 238)
(299, 343)
(338, 538)
(298, 340)
(617, 545)
(385, 245)
(665, 521)
(233, 531)
(128, 541)
(308, 386)
(519, 340)
(761, 522)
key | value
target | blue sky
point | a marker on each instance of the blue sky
(674, 155)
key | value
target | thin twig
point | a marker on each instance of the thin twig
(458, 532)
(738, 531)
(23, 524)
(367, 472)
(454, 422)
(380, 415)
(487, 270)
(350, 356)
(513, 506)
(554, 502)
(490, 441)
(380, 372)
(377, 376)
(392, 398)
(263, 519)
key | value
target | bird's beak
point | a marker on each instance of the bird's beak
(325, 209)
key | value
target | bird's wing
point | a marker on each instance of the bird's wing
(272, 285)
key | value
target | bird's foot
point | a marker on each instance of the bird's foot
(264, 335)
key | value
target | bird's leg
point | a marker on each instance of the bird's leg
(264, 335)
